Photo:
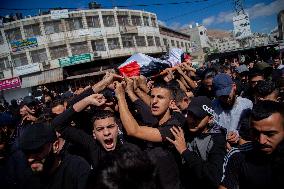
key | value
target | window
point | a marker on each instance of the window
(13, 34)
(158, 42)
(79, 48)
(1, 75)
(32, 30)
(98, 45)
(146, 20)
(38, 55)
(181, 44)
(108, 20)
(1, 38)
(165, 41)
(74, 24)
(173, 43)
(53, 27)
(136, 21)
(153, 20)
(123, 20)
(4, 63)
(93, 22)
(58, 52)
(127, 40)
(140, 41)
(113, 43)
(177, 44)
(150, 40)
(19, 60)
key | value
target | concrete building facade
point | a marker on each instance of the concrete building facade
(39, 50)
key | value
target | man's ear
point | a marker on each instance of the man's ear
(186, 100)
(172, 104)
(56, 146)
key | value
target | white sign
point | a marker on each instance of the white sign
(241, 26)
(58, 14)
(27, 69)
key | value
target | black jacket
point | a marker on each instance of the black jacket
(203, 161)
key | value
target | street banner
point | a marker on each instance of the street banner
(10, 83)
(76, 59)
(23, 44)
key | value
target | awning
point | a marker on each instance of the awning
(42, 78)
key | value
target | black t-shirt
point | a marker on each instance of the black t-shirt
(163, 154)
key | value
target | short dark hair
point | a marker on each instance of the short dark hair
(266, 108)
(130, 167)
(264, 88)
(57, 103)
(179, 95)
(102, 114)
(169, 86)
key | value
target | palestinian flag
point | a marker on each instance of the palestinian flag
(141, 64)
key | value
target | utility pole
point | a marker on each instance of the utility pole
(241, 23)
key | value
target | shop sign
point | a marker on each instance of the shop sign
(27, 69)
(23, 44)
(58, 14)
(76, 59)
(10, 83)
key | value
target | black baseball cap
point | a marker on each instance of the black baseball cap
(37, 135)
(201, 106)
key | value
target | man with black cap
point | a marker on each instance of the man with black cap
(203, 148)
(229, 108)
(51, 165)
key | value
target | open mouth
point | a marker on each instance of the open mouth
(109, 143)
(155, 108)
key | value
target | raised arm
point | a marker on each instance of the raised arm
(191, 83)
(129, 123)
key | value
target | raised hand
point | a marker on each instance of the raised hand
(119, 89)
(129, 85)
(96, 99)
(179, 141)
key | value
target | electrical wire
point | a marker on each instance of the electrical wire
(118, 6)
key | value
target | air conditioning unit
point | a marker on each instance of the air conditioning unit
(46, 64)
(96, 54)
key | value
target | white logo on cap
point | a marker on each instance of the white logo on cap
(211, 112)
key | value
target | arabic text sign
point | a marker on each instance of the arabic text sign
(23, 44)
(76, 59)
(58, 14)
(27, 69)
(10, 83)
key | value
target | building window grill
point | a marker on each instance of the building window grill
(93, 22)
(32, 30)
(79, 48)
(20, 60)
(113, 43)
(58, 52)
(140, 41)
(98, 45)
(38, 55)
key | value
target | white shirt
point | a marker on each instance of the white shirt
(229, 119)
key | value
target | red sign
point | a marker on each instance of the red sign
(10, 83)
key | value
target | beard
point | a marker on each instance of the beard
(47, 165)
(229, 103)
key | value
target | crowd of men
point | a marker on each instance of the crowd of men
(218, 126)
